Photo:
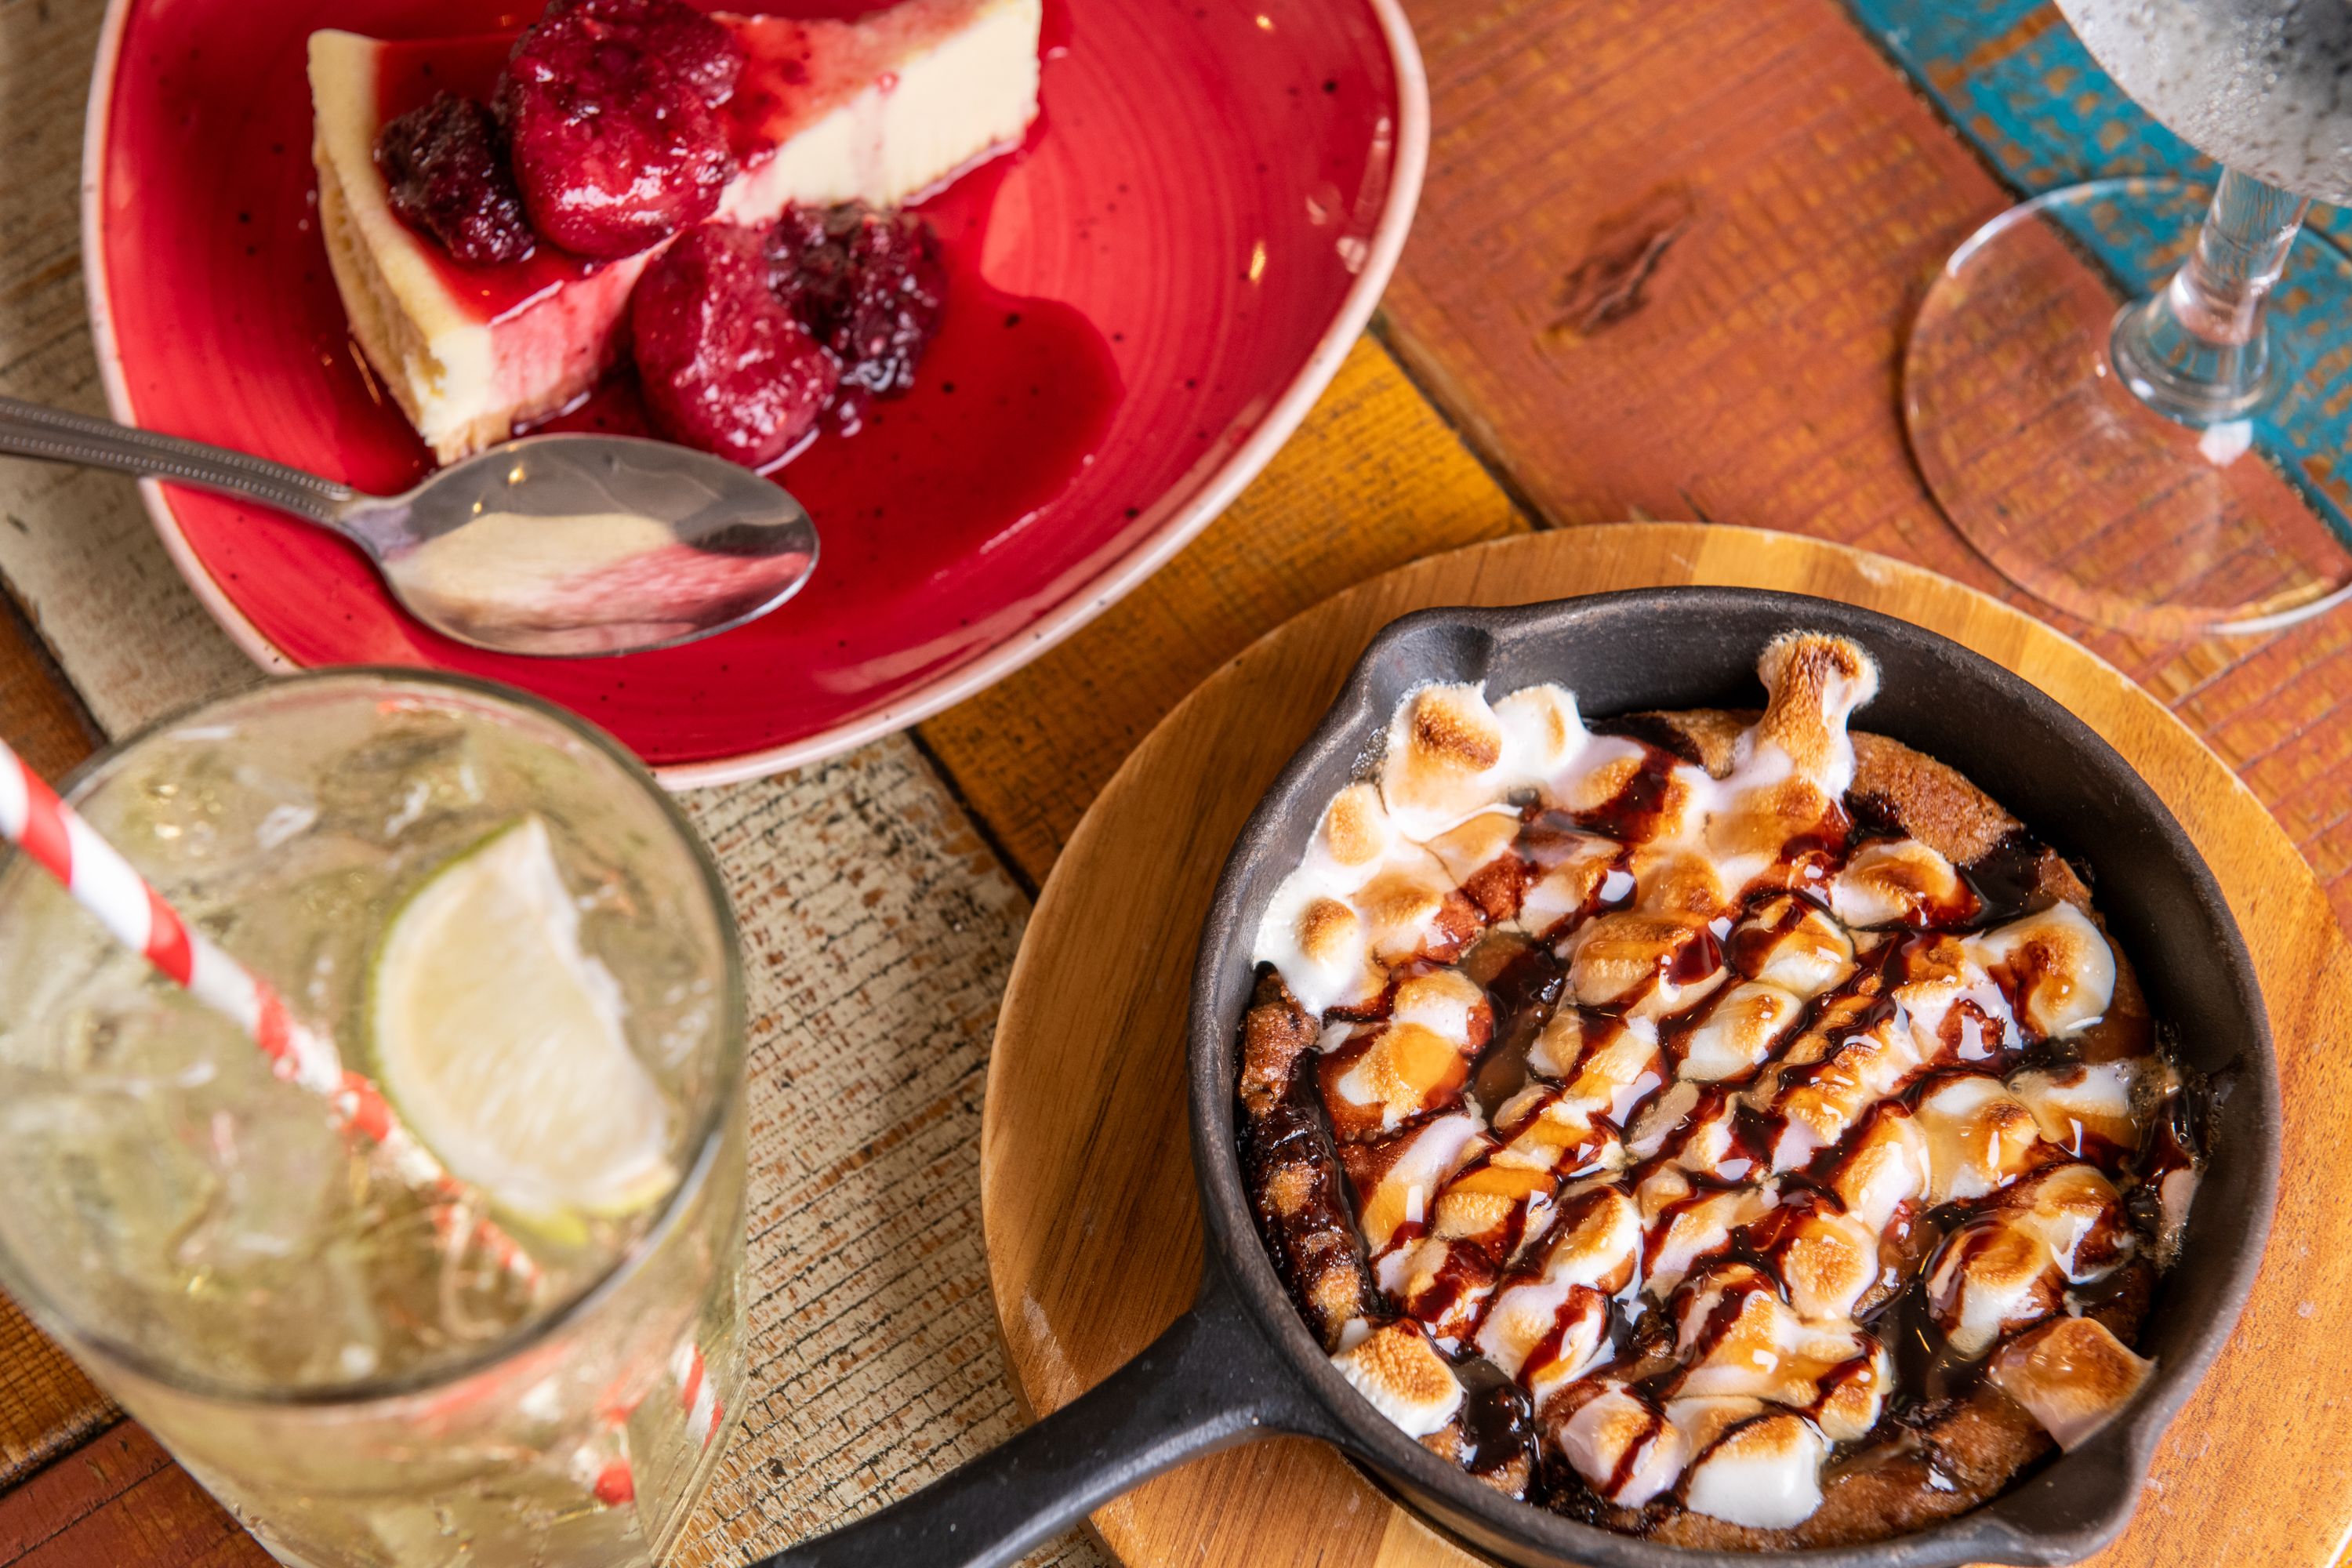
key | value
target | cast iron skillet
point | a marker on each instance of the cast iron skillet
(1240, 1364)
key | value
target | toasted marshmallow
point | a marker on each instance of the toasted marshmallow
(1827, 1261)
(1544, 736)
(1597, 1240)
(2085, 1109)
(1483, 838)
(1399, 1372)
(1570, 1038)
(1624, 1449)
(1672, 880)
(1686, 1225)
(2056, 966)
(1443, 1284)
(1449, 1003)
(1794, 945)
(2078, 1214)
(1576, 873)
(1445, 760)
(1740, 1030)
(1411, 909)
(1545, 1332)
(1899, 883)
(1397, 1186)
(1664, 1115)
(1353, 841)
(1321, 946)
(1317, 931)
(1602, 1069)
(1990, 1276)
(1385, 1077)
(1544, 1128)
(1958, 1013)
(1495, 1206)
(1673, 800)
(1753, 1466)
(1819, 1099)
(1699, 1128)
(1737, 1337)
(1980, 1137)
(2072, 1375)
(1815, 683)
(1647, 965)
(1887, 1165)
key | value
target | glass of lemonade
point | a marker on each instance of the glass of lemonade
(497, 915)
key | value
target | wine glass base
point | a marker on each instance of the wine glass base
(2081, 494)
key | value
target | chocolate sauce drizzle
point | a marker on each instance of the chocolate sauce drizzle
(1526, 984)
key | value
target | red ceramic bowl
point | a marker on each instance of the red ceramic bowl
(1145, 300)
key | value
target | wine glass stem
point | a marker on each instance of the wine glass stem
(2197, 349)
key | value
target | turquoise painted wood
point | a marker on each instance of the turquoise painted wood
(2010, 75)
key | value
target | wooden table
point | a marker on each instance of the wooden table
(1662, 269)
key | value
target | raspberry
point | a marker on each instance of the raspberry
(725, 366)
(445, 164)
(698, 51)
(869, 285)
(608, 106)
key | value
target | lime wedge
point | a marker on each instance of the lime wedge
(499, 1042)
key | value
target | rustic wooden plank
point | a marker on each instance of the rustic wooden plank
(40, 714)
(1372, 478)
(1687, 298)
(46, 1405)
(120, 1500)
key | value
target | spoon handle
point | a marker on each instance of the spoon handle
(31, 430)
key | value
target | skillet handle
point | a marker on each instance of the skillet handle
(1210, 1381)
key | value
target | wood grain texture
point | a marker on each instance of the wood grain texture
(120, 1500)
(46, 1405)
(74, 545)
(1087, 1187)
(40, 714)
(1688, 297)
(1374, 478)
(878, 931)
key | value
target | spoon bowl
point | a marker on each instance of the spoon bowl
(550, 546)
(570, 546)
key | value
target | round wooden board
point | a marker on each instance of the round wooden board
(1086, 1192)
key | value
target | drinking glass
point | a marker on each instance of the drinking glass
(355, 1379)
(2170, 467)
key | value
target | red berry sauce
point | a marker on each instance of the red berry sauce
(724, 364)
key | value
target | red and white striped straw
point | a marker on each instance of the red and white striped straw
(603, 1463)
(54, 837)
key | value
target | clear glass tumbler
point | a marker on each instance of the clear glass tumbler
(357, 1366)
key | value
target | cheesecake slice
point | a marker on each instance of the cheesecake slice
(880, 110)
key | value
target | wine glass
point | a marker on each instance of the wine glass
(2172, 467)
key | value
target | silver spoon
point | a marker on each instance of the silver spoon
(553, 545)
